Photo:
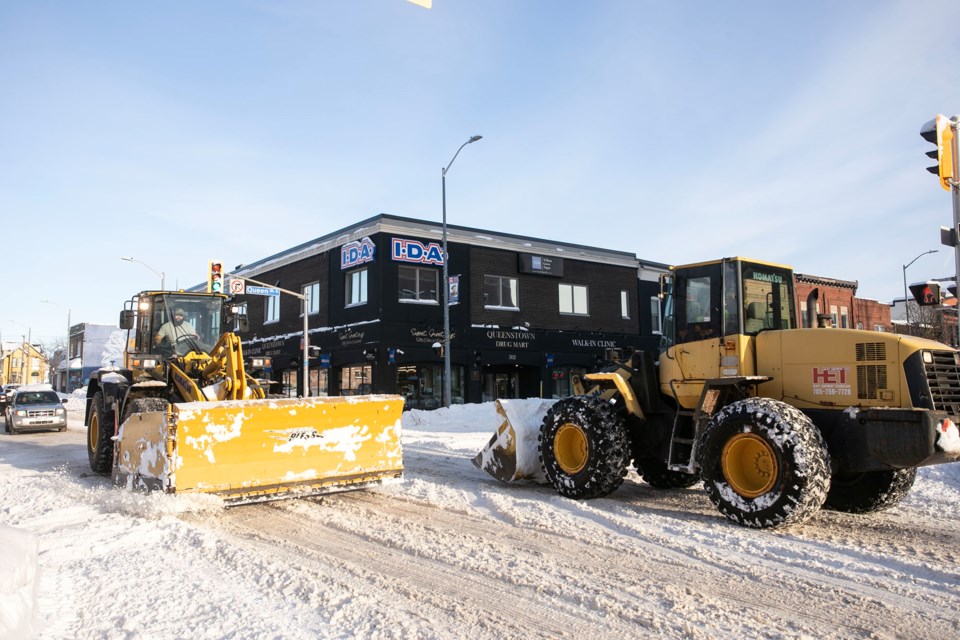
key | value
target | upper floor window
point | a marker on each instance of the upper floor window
(271, 311)
(312, 292)
(355, 287)
(418, 284)
(624, 304)
(573, 299)
(501, 292)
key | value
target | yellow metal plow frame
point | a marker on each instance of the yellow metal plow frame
(253, 450)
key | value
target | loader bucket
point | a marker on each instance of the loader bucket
(511, 453)
(255, 450)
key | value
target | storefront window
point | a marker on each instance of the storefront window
(319, 382)
(422, 386)
(290, 383)
(356, 380)
(563, 380)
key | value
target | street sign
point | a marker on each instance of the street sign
(262, 291)
(237, 286)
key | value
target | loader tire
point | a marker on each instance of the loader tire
(584, 447)
(870, 491)
(99, 435)
(145, 405)
(655, 473)
(764, 464)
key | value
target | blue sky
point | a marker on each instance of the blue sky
(180, 131)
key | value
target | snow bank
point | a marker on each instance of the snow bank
(18, 582)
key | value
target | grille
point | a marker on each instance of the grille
(871, 352)
(943, 378)
(870, 377)
(41, 413)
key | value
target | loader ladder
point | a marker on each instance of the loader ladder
(689, 424)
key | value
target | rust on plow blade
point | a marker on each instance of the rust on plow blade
(512, 452)
(256, 450)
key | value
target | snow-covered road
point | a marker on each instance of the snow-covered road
(452, 553)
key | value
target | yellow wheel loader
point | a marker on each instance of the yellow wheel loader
(777, 421)
(182, 414)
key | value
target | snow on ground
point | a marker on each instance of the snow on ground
(452, 553)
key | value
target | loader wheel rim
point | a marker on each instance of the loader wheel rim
(93, 432)
(749, 465)
(570, 448)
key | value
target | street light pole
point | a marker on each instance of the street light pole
(906, 304)
(447, 382)
(159, 273)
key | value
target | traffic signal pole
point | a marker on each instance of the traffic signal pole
(955, 196)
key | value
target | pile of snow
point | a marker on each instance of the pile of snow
(18, 582)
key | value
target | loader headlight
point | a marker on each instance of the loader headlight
(927, 357)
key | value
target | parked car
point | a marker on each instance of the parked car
(35, 408)
(6, 395)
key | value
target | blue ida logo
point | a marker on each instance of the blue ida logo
(356, 253)
(404, 250)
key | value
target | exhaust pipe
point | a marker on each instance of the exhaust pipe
(812, 307)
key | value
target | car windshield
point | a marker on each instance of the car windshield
(37, 397)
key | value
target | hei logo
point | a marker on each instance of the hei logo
(403, 250)
(356, 253)
(836, 375)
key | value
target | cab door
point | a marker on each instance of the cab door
(692, 352)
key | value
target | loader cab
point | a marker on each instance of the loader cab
(203, 322)
(725, 298)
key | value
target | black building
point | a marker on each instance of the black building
(525, 313)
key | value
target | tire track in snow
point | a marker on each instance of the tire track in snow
(800, 595)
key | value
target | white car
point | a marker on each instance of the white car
(35, 408)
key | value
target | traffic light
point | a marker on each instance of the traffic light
(215, 277)
(940, 132)
(926, 293)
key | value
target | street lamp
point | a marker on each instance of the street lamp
(906, 305)
(66, 350)
(447, 383)
(159, 273)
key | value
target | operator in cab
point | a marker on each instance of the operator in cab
(175, 329)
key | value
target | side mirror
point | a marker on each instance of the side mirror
(128, 318)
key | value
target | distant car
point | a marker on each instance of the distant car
(7, 394)
(35, 408)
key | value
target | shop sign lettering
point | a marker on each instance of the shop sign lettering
(356, 253)
(511, 339)
(429, 336)
(403, 250)
(604, 344)
(351, 336)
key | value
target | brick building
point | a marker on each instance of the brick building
(837, 299)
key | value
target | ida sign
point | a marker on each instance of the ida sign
(356, 253)
(403, 250)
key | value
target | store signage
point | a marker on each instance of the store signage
(356, 253)
(429, 336)
(604, 344)
(511, 339)
(403, 250)
(350, 336)
(542, 265)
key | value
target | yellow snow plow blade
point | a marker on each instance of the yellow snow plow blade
(253, 450)
(512, 453)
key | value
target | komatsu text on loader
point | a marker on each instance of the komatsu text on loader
(777, 421)
(182, 414)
